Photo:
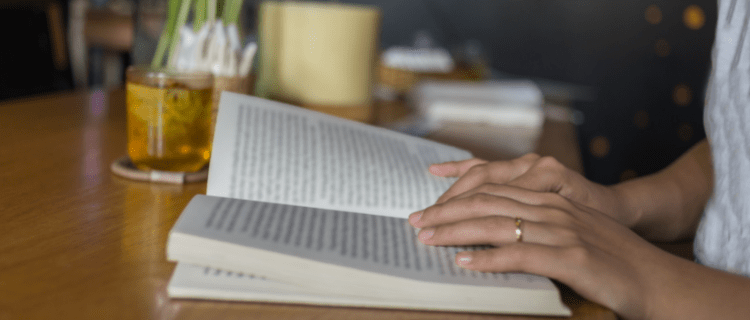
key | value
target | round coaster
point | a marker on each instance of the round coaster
(125, 168)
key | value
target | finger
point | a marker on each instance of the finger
(546, 175)
(540, 259)
(480, 205)
(495, 172)
(578, 267)
(495, 231)
(519, 194)
(454, 168)
(475, 177)
(569, 185)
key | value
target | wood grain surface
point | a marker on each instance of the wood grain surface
(77, 242)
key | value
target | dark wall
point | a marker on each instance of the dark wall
(26, 65)
(633, 126)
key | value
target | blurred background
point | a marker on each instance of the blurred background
(635, 71)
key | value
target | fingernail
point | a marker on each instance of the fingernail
(426, 234)
(463, 259)
(414, 217)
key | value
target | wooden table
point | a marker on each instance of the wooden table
(77, 242)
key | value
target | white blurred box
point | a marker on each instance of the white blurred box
(497, 117)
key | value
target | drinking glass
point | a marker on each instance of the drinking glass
(168, 119)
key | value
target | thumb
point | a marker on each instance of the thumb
(454, 168)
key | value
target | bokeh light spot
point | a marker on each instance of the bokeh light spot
(653, 14)
(685, 132)
(628, 174)
(694, 17)
(641, 119)
(599, 147)
(682, 95)
(662, 47)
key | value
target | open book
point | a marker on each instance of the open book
(307, 208)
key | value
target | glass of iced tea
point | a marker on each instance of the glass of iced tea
(169, 119)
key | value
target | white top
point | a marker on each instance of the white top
(723, 238)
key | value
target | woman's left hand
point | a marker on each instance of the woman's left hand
(587, 250)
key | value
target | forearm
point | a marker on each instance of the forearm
(687, 290)
(668, 204)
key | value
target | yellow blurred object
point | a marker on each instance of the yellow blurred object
(319, 54)
(402, 81)
(169, 120)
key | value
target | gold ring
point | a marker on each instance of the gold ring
(519, 233)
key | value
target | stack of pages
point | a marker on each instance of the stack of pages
(307, 208)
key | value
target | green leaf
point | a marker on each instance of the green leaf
(200, 14)
(167, 33)
(179, 22)
(231, 13)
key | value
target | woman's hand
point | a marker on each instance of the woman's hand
(599, 258)
(596, 256)
(532, 172)
(664, 206)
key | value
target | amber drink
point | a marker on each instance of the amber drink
(169, 119)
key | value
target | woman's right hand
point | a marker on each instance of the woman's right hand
(533, 172)
(605, 262)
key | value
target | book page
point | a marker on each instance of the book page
(197, 282)
(269, 151)
(193, 281)
(376, 244)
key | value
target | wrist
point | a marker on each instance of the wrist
(626, 210)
